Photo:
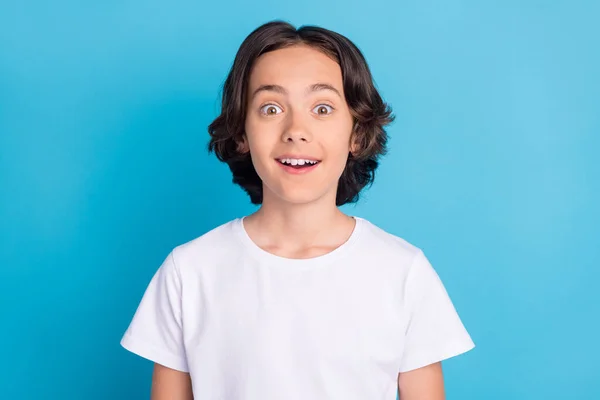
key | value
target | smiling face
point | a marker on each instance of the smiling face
(298, 125)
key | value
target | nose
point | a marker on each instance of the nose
(295, 129)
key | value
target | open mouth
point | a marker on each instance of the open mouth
(298, 163)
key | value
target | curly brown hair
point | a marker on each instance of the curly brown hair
(370, 113)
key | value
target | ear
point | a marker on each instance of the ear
(354, 147)
(242, 145)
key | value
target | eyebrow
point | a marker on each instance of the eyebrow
(281, 90)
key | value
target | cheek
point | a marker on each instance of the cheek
(252, 136)
(339, 143)
(337, 157)
(260, 143)
(340, 149)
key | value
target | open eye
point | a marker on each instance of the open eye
(323, 109)
(270, 109)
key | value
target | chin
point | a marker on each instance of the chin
(299, 197)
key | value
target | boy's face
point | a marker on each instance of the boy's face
(298, 125)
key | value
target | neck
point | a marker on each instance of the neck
(297, 227)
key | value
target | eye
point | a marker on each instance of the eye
(323, 109)
(270, 109)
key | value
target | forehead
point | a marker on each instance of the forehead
(295, 66)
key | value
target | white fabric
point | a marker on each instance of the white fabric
(247, 324)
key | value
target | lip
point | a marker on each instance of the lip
(297, 156)
(295, 171)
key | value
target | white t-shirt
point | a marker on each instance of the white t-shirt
(247, 324)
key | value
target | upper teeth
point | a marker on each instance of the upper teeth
(296, 161)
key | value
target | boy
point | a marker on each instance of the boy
(298, 300)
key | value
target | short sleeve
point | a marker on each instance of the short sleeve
(434, 330)
(155, 332)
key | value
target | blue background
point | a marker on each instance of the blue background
(492, 170)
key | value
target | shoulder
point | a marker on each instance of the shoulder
(216, 244)
(387, 246)
(375, 236)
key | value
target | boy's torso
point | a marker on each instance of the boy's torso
(255, 328)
